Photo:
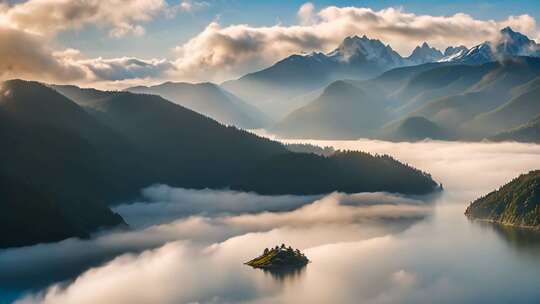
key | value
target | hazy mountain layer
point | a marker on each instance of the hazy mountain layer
(210, 100)
(529, 132)
(273, 89)
(342, 111)
(413, 129)
(469, 101)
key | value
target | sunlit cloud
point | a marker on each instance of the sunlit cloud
(49, 17)
(215, 220)
(220, 52)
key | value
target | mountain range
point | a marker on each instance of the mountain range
(275, 88)
(205, 98)
(462, 101)
(211, 100)
(64, 161)
(282, 88)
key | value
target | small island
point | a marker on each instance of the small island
(279, 258)
(515, 204)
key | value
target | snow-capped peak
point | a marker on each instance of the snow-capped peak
(356, 48)
(509, 43)
(424, 53)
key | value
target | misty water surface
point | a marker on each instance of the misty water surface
(188, 246)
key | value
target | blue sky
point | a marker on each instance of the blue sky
(163, 34)
(117, 43)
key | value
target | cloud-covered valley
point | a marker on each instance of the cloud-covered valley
(210, 218)
(371, 247)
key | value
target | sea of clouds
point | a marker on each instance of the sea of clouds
(188, 246)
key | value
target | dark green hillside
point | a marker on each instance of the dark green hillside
(189, 149)
(79, 161)
(50, 188)
(414, 129)
(32, 216)
(529, 132)
(57, 145)
(343, 171)
(516, 203)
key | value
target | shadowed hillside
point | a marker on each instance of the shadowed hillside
(76, 159)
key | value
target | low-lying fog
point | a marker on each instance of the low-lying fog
(188, 246)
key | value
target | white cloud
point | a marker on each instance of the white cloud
(219, 221)
(125, 68)
(25, 55)
(49, 17)
(306, 14)
(220, 52)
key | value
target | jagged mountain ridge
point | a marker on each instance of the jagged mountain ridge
(276, 89)
(508, 44)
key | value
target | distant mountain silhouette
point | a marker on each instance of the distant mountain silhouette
(529, 132)
(210, 100)
(470, 102)
(413, 128)
(272, 89)
(343, 110)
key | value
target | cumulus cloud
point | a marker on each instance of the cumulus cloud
(306, 13)
(223, 52)
(27, 32)
(219, 52)
(125, 68)
(52, 16)
(26, 55)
